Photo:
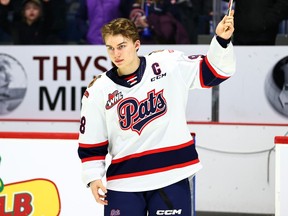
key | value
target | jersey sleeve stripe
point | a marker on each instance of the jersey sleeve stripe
(209, 76)
(93, 153)
(213, 70)
(92, 158)
(85, 145)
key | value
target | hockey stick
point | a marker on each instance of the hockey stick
(229, 10)
(229, 7)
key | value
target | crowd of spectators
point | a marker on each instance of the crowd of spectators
(29, 22)
(46, 22)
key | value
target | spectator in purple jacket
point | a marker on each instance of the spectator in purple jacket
(92, 15)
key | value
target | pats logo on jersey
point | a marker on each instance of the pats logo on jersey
(135, 115)
(113, 98)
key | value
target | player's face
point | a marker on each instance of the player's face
(122, 51)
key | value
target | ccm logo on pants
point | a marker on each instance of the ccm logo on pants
(169, 212)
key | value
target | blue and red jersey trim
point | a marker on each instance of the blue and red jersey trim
(98, 150)
(209, 76)
(153, 161)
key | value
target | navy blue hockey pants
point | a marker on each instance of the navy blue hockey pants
(174, 199)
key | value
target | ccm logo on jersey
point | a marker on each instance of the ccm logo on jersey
(157, 71)
(169, 212)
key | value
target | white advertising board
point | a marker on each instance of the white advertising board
(47, 83)
(256, 93)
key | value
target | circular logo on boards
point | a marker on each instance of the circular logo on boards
(276, 86)
(13, 83)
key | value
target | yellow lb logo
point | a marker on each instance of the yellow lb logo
(33, 197)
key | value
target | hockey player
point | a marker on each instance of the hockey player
(136, 113)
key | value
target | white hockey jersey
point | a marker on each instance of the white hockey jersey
(140, 120)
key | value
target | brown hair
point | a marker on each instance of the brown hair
(121, 26)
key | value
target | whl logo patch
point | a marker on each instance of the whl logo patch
(113, 98)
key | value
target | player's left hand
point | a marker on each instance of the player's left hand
(99, 191)
(225, 27)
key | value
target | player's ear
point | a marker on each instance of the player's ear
(137, 45)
